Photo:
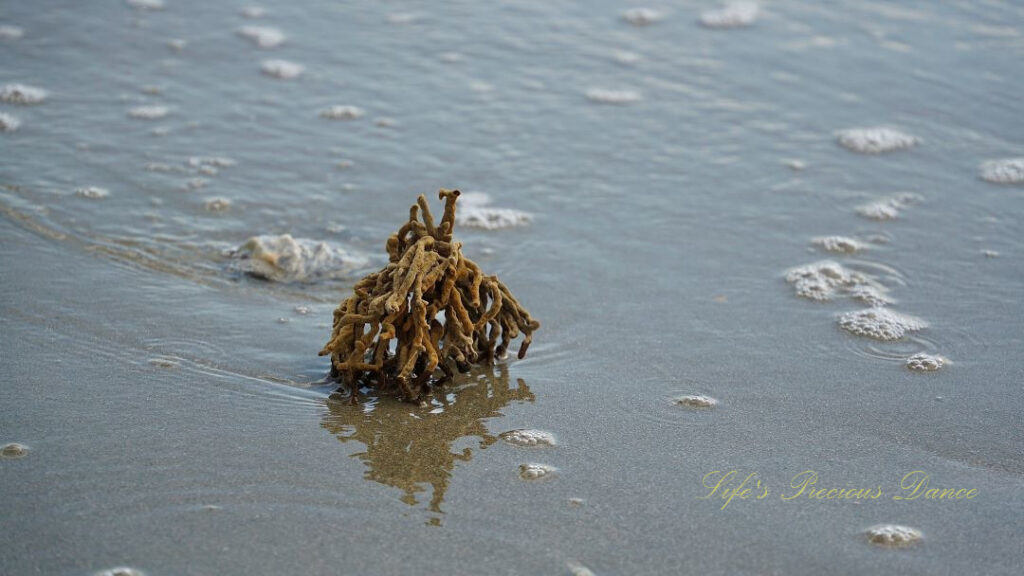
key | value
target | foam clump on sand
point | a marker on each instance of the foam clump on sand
(262, 36)
(605, 96)
(842, 244)
(824, 280)
(641, 16)
(476, 212)
(525, 437)
(92, 192)
(535, 471)
(13, 450)
(880, 323)
(698, 401)
(282, 69)
(922, 362)
(8, 123)
(342, 112)
(875, 140)
(893, 535)
(889, 207)
(732, 15)
(22, 94)
(1005, 171)
(149, 112)
(287, 259)
(8, 32)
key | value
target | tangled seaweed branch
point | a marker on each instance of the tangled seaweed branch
(437, 305)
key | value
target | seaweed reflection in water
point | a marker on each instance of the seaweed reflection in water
(410, 447)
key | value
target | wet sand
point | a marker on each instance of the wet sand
(174, 416)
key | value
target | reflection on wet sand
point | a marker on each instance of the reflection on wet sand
(409, 447)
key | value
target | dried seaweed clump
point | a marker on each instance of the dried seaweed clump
(436, 305)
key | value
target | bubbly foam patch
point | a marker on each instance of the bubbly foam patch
(92, 192)
(286, 259)
(923, 362)
(880, 323)
(826, 279)
(22, 94)
(1005, 171)
(876, 140)
(475, 211)
(641, 16)
(342, 113)
(262, 36)
(525, 437)
(698, 401)
(8, 123)
(893, 535)
(13, 450)
(889, 207)
(604, 96)
(282, 69)
(8, 32)
(149, 112)
(842, 244)
(732, 15)
(535, 471)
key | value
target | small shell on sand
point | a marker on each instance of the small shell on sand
(893, 535)
(13, 450)
(282, 69)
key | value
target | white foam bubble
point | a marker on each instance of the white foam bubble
(8, 32)
(287, 259)
(283, 69)
(22, 94)
(342, 112)
(92, 192)
(217, 205)
(527, 437)
(263, 36)
(875, 140)
(698, 401)
(843, 244)
(1005, 171)
(8, 123)
(577, 569)
(475, 211)
(253, 12)
(641, 16)
(893, 535)
(149, 112)
(732, 15)
(880, 323)
(535, 471)
(206, 163)
(922, 362)
(606, 96)
(146, 4)
(13, 450)
(825, 279)
(121, 571)
(889, 207)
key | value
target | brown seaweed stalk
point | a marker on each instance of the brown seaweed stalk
(436, 304)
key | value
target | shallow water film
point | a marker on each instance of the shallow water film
(776, 249)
